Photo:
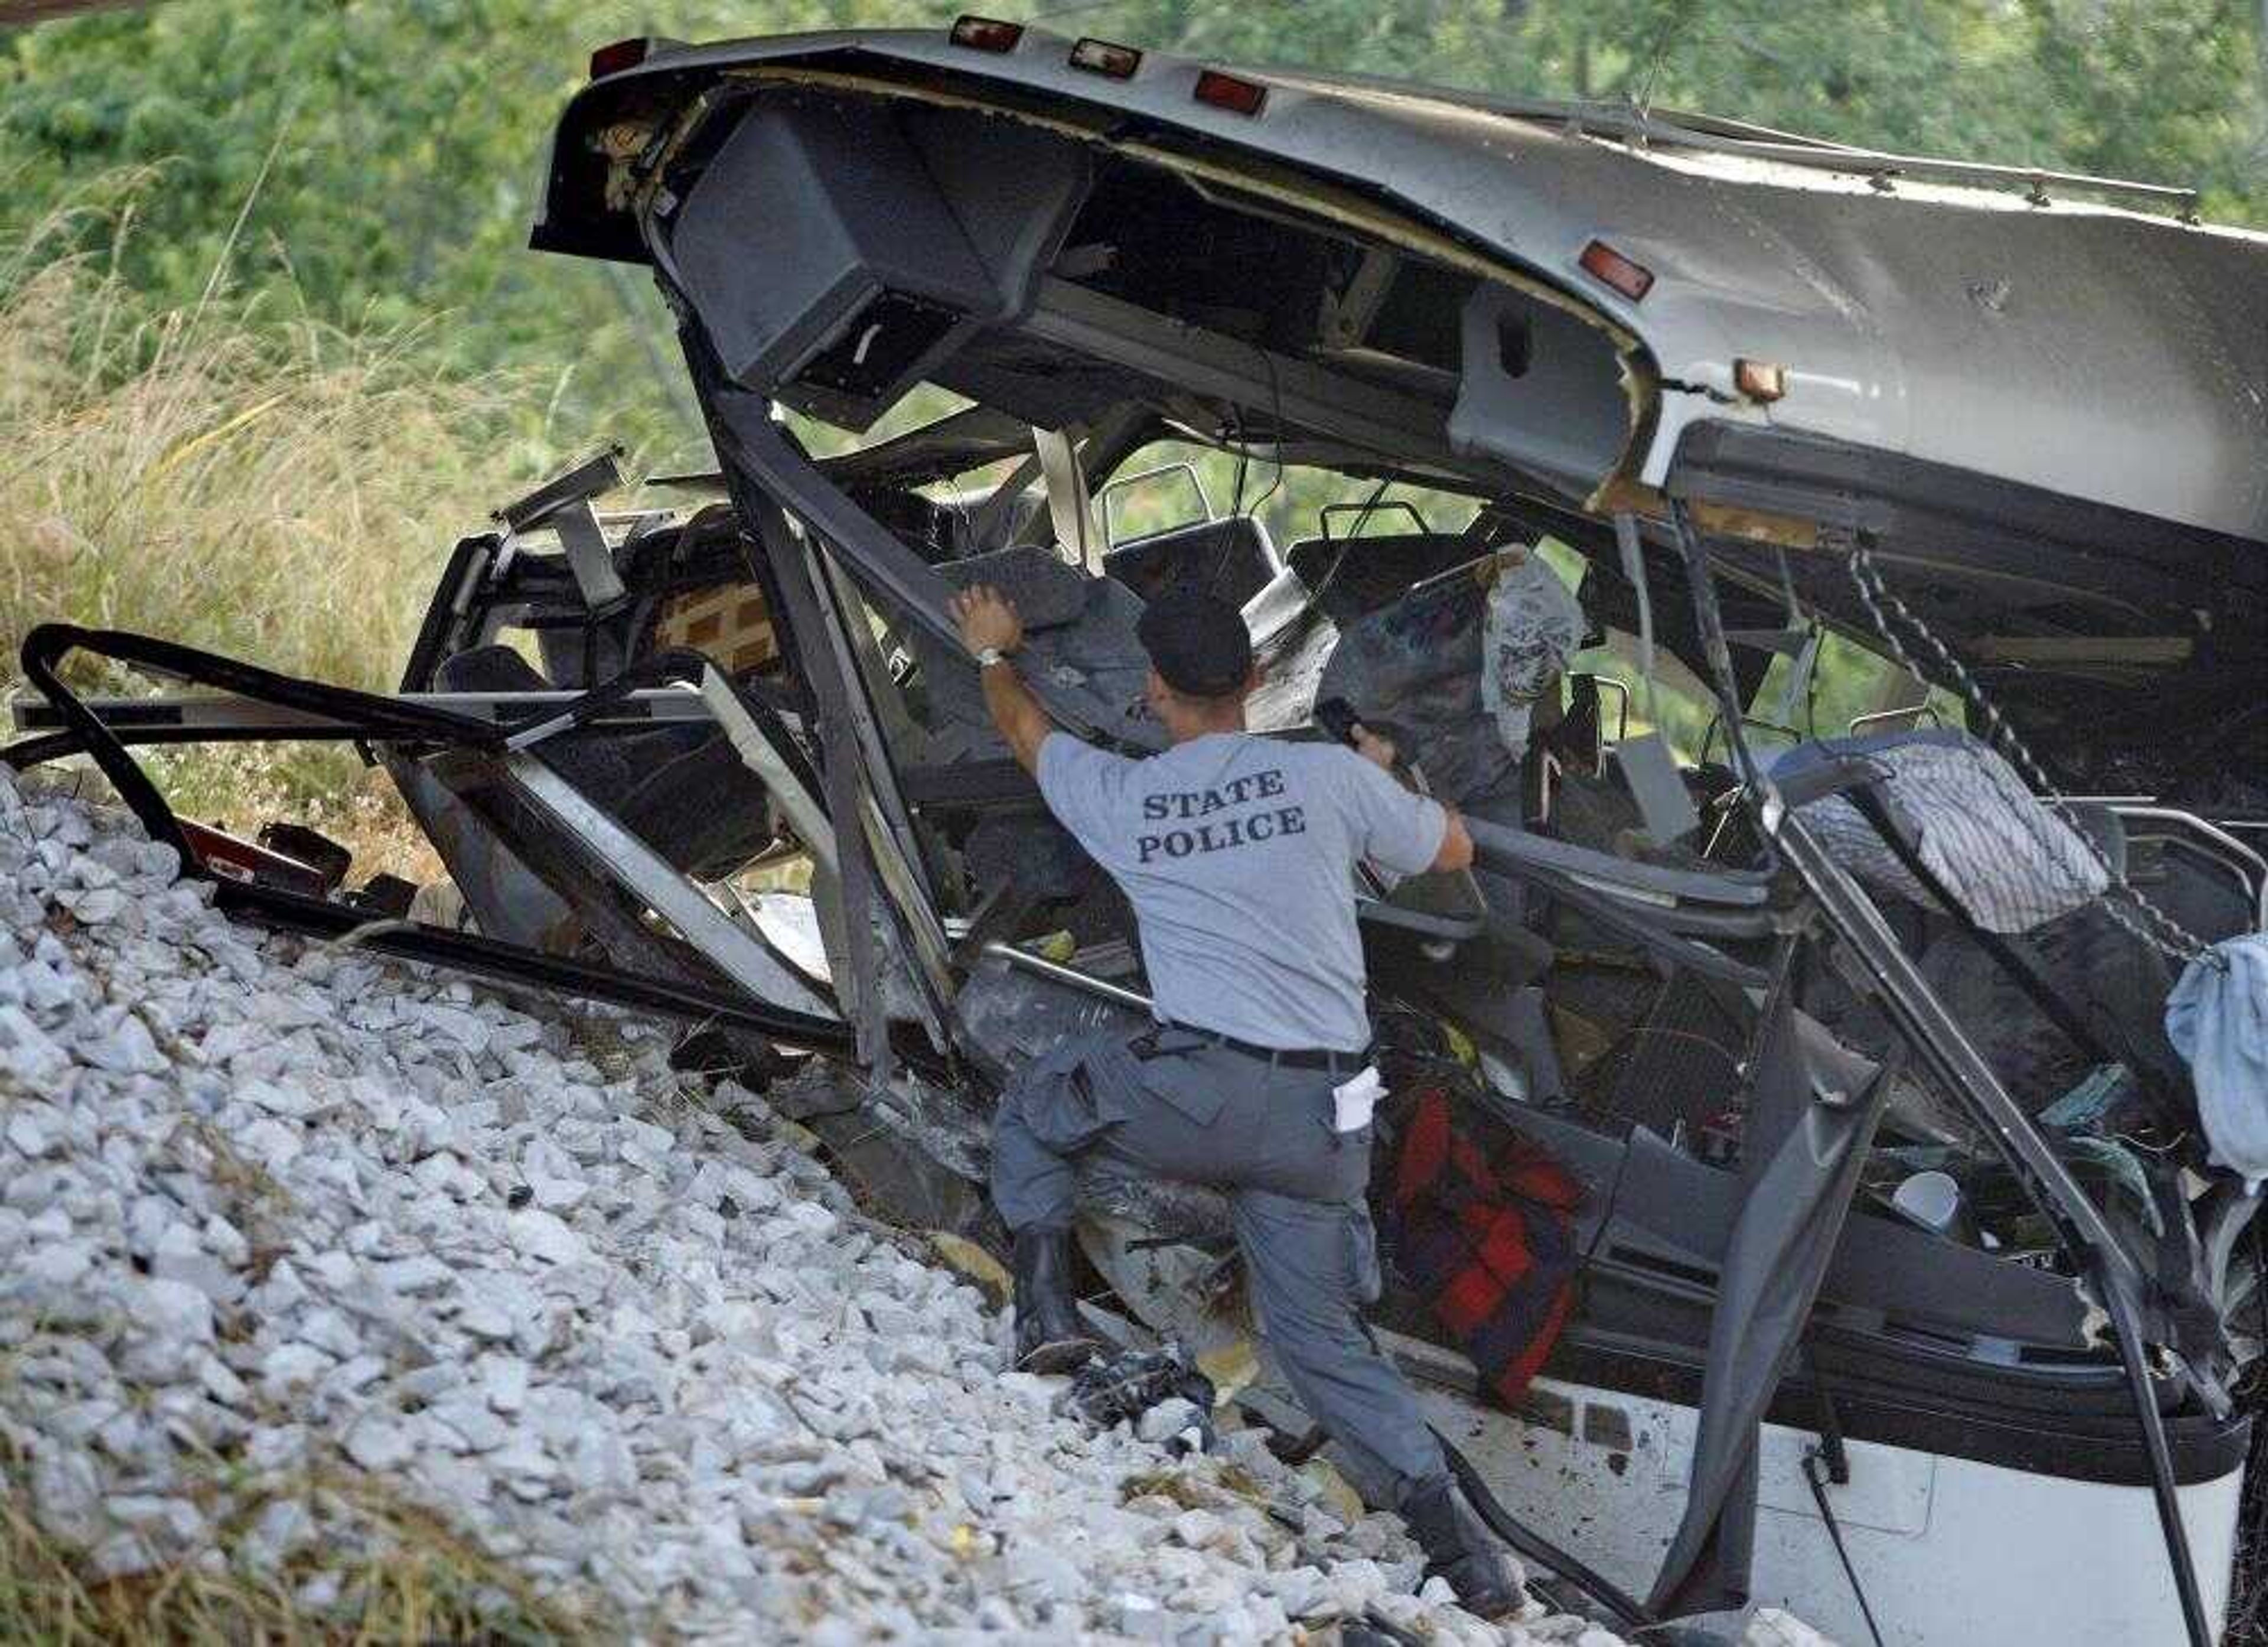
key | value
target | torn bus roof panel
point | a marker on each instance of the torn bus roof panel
(1952, 322)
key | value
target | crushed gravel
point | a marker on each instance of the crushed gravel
(270, 1211)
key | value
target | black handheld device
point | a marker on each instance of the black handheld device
(1337, 719)
(1336, 716)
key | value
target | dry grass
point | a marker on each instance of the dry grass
(410, 1578)
(239, 478)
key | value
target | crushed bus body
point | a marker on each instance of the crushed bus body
(1882, 1253)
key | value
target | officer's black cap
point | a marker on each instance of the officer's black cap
(1197, 642)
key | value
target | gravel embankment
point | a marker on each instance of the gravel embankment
(270, 1213)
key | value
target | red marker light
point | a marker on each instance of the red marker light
(623, 54)
(1225, 90)
(984, 34)
(1602, 263)
(1100, 56)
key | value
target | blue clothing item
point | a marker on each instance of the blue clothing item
(1238, 856)
(2218, 1020)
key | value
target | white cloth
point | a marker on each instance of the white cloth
(1534, 623)
(2012, 864)
(2218, 1020)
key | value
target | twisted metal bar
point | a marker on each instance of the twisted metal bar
(2135, 914)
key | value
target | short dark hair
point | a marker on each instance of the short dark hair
(1197, 642)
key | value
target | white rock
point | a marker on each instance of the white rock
(222, 1239)
(181, 1256)
(220, 1383)
(484, 1318)
(33, 1129)
(59, 1263)
(67, 1491)
(1139, 1618)
(289, 1366)
(334, 1271)
(1197, 1528)
(38, 1189)
(284, 1527)
(418, 1274)
(281, 1011)
(537, 1234)
(479, 1430)
(97, 907)
(125, 1048)
(1354, 1584)
(279, 1099)
(504, 1382)
(655, 1140)
(512, 1033)
(466, 1029)
(318, 1595)
(352, 1375)
(811, 1218)
(173, 1311)
(44, 989)
(1039, 1571)
(233, 1039)
(92, 871)
(379, 1441)
(557, 1194)
(1166, 1420)
(271, 1143)
(172, 1524)
(28, 1053)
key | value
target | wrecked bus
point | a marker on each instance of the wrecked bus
(1890, 1273)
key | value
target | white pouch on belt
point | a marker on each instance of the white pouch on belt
(1353, 1100)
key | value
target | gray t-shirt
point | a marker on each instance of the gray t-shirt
(1238, 854)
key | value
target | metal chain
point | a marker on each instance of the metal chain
(2134, 913)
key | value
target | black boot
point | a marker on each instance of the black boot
(1459, 1549)
(1050, 1336)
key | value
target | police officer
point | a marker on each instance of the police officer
(1238, 856)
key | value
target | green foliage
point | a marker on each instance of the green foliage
(376, 165)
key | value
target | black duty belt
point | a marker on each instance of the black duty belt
(1289, 1057)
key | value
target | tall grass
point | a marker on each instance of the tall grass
(408, 1577)
(236, 477)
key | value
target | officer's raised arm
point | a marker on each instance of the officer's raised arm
(993, 630)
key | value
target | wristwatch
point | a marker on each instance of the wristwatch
(989, 656)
